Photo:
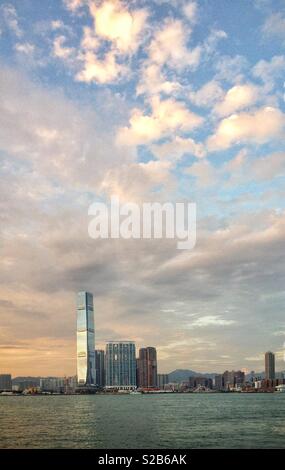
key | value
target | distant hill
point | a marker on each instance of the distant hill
(181, 375)
(35, 381)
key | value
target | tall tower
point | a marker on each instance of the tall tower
(269, 365)
(147, 367)
(85, 340)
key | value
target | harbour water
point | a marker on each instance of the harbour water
(143, 421)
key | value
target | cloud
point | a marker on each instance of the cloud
(269, 71)
(11, 18)
(258, 358)
(106, 70)
(137, 182)
(153, 81)
(73, 5)
(176, 148)
(245, 168)
(119, 25)
(167, 116)
(61, 51)
(231, 69)
(190, 10)
(59, 138)
(275, 25)
(169, 45)
(207, 95)
(210, 320)
(25, 48)
(204, 172)
(237, 98)
(105, 48)
(259, 126)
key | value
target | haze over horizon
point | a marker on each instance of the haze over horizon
(150, 101)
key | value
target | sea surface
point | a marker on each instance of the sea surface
(143, 421)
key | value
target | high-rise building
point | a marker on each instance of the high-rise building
(121, 365)
(269, 365)
(5, 383)
(85, 340)
(162, 380)
(219, 382)
(147, 367)
(100, 367)
(233, 379)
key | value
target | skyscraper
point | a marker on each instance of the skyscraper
(85, 340)
(269, 365)
(100, 367)
(121, 365)
(147, 367)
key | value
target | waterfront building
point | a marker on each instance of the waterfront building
(85, 340)
(219, 384)
(195, 382)
(5, 383)
(137, 372)
(269, 365)
(147, 368)
(162, 380)
(121, 365)
(233, 379)
(100, 367)
(70, 384)
(52, 384)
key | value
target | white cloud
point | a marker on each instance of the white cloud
(211, 320)
(275, 25)
(258, 358)
(176, 148)
(259, 126)
(246, 167)
(11, 18)
(153, 81)
(118, 31)
(106, 70)
(169, 45)
(269, 71)
(237, 98)
(119, 25)
(207, 95)
(279, 333)
(204, 172)
(25, 48)
(73, 5)
(231, 68)
(61, 51)
(167, 116)
(190, 10)
(89, 41)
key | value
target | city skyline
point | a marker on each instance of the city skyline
(149, 101)
(118, 366)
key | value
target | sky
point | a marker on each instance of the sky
(150, 101)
